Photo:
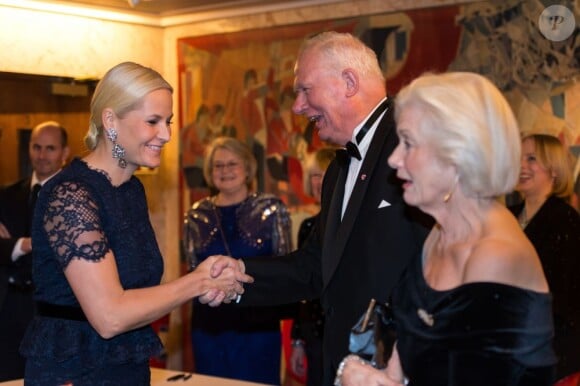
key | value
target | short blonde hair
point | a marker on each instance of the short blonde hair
(122, 89)
(235, 146)
(471, 126)
(319, 160)
(558, 160)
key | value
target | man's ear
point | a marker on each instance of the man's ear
(351, 80)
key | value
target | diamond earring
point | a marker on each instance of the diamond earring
(118, 151)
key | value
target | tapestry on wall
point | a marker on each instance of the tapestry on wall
(530, 50)
(240, 84)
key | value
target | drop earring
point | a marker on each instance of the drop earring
(448, 196)
(118, 151)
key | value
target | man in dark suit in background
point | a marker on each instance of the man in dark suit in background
(366, 235)
(48, 151)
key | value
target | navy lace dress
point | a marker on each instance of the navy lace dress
(81, 215)
(478, 334)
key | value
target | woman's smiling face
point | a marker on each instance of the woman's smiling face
(228, 171)
(144, 131)
(535, 178)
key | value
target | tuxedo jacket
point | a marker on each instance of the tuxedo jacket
(15, 214)
(347, 263)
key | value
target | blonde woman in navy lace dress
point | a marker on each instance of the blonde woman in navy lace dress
(96, 264)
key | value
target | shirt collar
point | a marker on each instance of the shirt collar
(34, 180)
(366, 141)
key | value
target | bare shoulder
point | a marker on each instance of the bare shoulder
(505, 256)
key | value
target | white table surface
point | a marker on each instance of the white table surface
(159, 378)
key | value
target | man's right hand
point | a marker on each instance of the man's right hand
(224, 262)
(221, 265)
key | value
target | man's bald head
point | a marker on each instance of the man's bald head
(48, 149)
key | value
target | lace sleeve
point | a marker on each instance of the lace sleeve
(73, 226)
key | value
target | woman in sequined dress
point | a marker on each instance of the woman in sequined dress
(474, 308)
(553, 227)
(229, 341)
(96, 265)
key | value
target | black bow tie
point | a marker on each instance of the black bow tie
(351, 150)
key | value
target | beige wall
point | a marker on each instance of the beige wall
(51, 44)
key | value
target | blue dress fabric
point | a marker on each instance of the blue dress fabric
(232, 341)
(81, 215)
(477, 334)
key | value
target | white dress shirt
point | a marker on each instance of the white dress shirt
(363, 147)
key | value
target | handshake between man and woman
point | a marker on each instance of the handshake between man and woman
(224, 280)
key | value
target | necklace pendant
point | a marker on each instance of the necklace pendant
(523, 219)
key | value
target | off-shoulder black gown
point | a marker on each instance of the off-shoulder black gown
(478, 334)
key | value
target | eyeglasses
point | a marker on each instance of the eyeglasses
(225, 166)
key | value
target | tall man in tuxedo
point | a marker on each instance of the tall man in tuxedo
(48, 151)
(366, 235)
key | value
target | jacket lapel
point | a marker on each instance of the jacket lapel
(333, 224)
(337, 232)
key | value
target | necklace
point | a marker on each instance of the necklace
(523, 218)
(218, 220)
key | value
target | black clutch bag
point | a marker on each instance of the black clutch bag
(373, 336)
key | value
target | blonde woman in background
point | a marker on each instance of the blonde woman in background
(553, 227)
(96, 264)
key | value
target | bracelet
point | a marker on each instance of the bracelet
(297, 343)
(339, 371)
